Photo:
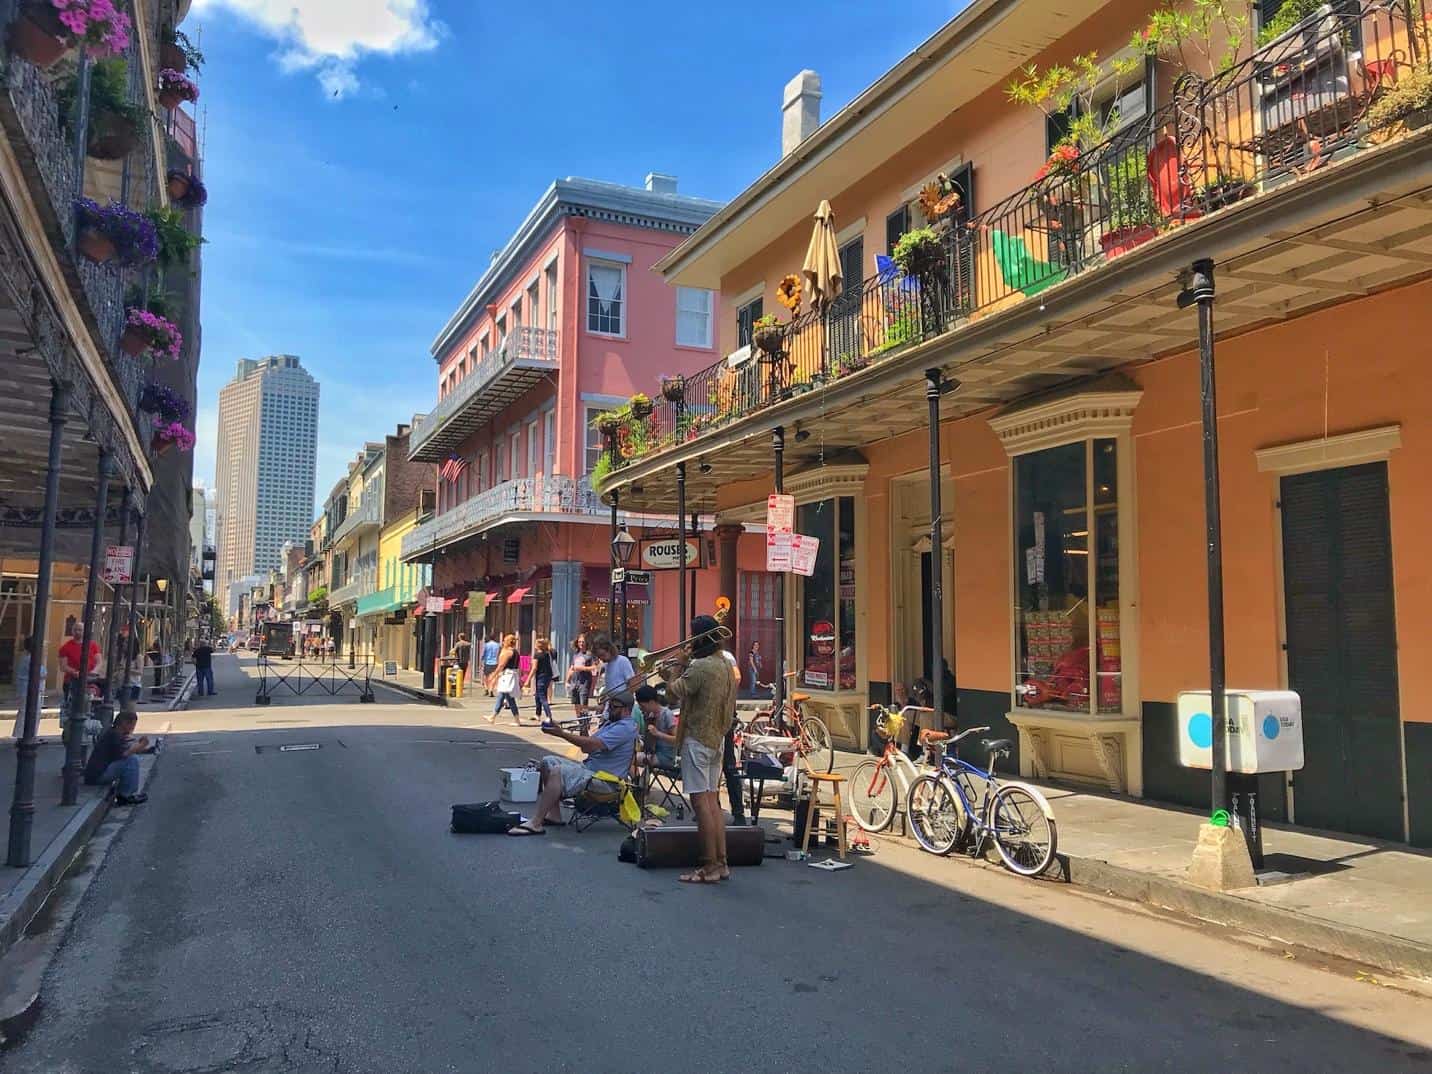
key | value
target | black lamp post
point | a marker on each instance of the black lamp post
(623, 545)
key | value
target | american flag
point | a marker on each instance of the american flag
(453, 468)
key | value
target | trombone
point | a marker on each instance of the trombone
(669, 656)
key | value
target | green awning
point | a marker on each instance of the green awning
(385, 600)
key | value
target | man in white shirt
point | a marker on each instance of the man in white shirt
(619, 677)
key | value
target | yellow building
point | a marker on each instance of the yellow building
(385, 612)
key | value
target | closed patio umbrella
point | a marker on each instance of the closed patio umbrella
(822, 263)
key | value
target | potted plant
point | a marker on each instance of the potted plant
(114, 233)
(38, 36)
(187, 190)
(641, 406)
(164, 403)
(148, 333)
(170, 434)
(918, 252)
(175, 241)
(115, 123)
(1132, 217)
(1408, 102)
(608, 423)
(175, 88)
(673, 388)
(769, 335)
(179, 53)
(1223, 190)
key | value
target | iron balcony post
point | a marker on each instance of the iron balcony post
(78, 701)
(934, 385)
(682, 623)
(612, 591)
(127, 703)
(104, 712)
(22, 809)
(778, 688)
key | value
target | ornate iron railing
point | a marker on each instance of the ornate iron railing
(535, 495)
(526, 343)
(1295, 105)
(369, 513)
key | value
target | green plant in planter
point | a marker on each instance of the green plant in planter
(917, 251)
(1069, 90)
(115, 121)
(1203, 38)
(1130, 196)
(1411, 93)
(602, 468)
(176, 242)
(1289, 15)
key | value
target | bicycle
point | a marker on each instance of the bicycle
(1014, 816)
(879, 785)
(810, 735)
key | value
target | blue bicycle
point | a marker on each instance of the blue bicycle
(962, 805)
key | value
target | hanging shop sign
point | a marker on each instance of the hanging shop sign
(476, 605)
(803, 553)
(664, 553)
(118, 564)
(435, 605)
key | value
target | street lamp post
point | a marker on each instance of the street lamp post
(623, 545)
(78, 701)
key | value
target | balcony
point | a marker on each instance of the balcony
(350, 592)
(512, 501)
(523, 359)
(368, 517)
(1277, 168)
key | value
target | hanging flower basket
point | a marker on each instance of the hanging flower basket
(609, 426)
(111, 136)
(170, 435)
(918, 252)
(187, 191)
(175, 88)
(673, 389)
(769, 336)
(129, 237)
(38, 36)
(167, 405)
(641, 407)
(98, 26)
(172, 56)
(149, 333)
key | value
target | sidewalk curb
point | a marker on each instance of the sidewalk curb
(1346, 941)
(23, 902)
(432, 697)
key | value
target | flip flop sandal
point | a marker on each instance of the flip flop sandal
(698, 876)
(522, 829)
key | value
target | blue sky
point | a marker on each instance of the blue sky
(364, 157)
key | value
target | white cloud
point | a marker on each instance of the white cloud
(330, 37)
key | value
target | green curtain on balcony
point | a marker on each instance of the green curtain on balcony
(1022, 271)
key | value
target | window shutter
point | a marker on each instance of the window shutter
(896, 224)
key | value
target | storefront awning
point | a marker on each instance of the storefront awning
(385, 600)
(519, 594)
(597, 584)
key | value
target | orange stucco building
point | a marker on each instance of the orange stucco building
(1073, 558)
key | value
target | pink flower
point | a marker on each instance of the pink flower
(97, 24)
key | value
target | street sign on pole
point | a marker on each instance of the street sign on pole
(638, 577)
(618, 575)
(118, 564)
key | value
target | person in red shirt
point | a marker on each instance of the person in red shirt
(70, 655)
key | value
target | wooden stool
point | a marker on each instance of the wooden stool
(834, 780)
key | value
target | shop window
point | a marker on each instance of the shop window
(1067, 578)
(827, 598)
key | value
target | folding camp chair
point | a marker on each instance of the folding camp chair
(661, 786)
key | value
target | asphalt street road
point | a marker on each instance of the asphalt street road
(308, 910)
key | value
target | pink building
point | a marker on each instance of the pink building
(569, 320)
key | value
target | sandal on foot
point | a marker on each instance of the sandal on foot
(698, 876)
(523, 829)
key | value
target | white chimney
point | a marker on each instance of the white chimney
(800, 110)
(658, 183)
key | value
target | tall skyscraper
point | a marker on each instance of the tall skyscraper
(268, 441)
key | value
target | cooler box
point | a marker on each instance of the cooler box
(520, 784)
(1265, 730)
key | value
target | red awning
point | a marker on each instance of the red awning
(517, 595)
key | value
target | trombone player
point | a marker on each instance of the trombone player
(706, 690)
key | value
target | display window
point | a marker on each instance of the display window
(827, 611)
(1066, 526)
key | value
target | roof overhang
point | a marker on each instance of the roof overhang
(969, 55)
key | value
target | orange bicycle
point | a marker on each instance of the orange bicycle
(809, 734)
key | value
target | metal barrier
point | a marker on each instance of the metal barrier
(326, 677)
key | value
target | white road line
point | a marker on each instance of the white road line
(206, 753)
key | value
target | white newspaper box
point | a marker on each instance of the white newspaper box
(1265, 730)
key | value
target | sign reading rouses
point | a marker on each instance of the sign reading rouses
(664, 553)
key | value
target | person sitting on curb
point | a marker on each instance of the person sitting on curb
(115, 757)
(609, 750)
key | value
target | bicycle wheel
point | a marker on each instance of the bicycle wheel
(872, 795)
(935, 815)
(1023, 831)
(815, 745)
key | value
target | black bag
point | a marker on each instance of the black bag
(483, 818)
(627, 851)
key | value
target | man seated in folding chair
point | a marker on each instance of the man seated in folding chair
(657, 764)
(609, 750)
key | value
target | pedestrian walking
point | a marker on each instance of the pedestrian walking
(490, 652)
(462, 653)
(706, 689)
(22, 684)
(541, 673)
(504, 680)
(580, 675)
(753, 669)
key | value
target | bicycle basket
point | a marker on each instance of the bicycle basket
(889, 725)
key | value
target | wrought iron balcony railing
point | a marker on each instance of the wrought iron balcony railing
(1299, 103)
(537, 495)
(368, 515)
(523, 359)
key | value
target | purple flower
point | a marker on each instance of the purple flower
(174, 432)
(162, 335)
(98, 25)
(132, 233)
(167, 405)
(172, 81)
(198, 195)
